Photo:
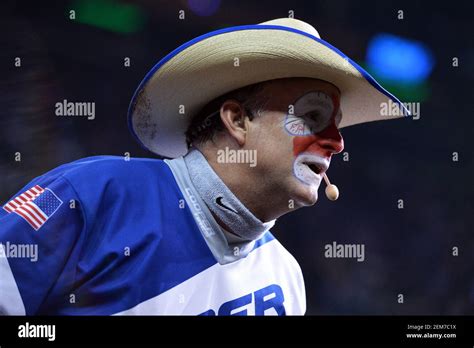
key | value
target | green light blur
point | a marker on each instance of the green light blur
(109, 15)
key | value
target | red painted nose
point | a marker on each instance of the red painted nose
(330, 139)
(326, 143)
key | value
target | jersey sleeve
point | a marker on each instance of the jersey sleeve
(40, 234)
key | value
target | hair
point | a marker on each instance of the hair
(207, 122)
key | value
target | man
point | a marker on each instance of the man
(250, 115)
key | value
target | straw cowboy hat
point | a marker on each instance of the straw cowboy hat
(204, 68)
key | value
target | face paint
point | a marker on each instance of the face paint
(302, 170)
(313, 112)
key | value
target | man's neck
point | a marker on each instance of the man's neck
(238, 178)
(224, 202)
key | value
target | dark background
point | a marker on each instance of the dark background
(408, 251)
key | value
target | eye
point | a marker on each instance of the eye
(316, 109)
(317, 121)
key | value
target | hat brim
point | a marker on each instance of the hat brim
(195, 73)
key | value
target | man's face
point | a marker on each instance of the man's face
(296, 137)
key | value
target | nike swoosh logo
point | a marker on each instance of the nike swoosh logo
(219, 202)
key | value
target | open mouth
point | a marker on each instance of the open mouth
(310, 167)
(314, 167)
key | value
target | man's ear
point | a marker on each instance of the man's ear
(234, 118)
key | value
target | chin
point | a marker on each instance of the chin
(307, 196)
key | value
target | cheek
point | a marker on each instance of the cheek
(300, 144)
(274, 148)
(282, 142)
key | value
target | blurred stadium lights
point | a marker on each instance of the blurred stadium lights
(402, 65)
(204, 7)
(110, 15)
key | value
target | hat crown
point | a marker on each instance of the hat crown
(295, 24)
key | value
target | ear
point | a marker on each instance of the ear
(234, 118)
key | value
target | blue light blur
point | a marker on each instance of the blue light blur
(204, 7)
(397, 59)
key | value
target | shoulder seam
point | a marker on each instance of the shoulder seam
(84, 216)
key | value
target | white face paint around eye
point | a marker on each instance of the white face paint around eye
(311, 114)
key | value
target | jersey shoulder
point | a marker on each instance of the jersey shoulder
(93, 175)
(109, 167)
(284, 254)
(109, 185)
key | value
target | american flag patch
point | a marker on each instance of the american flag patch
(35, 205)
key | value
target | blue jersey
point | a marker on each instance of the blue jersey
(104, 236)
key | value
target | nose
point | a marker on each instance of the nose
(331, 139)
